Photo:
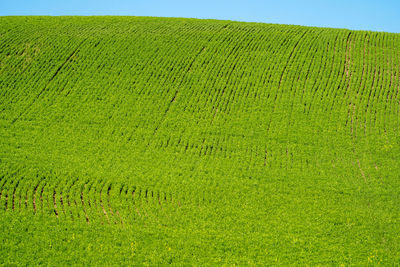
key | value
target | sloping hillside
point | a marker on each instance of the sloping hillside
(131, 140)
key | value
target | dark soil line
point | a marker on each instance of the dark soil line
(41, 197)
(2, 186)
(62, 203)
(34, 197)
(88, 193)
(83, 206)
(6, 202)
(54, 203)
(13, 195)
(76, 206)
(266, 156)
(26, 197)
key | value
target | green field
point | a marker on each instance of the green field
(155, 141)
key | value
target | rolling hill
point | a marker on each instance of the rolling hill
(153, 141)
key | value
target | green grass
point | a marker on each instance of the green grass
(154, 141)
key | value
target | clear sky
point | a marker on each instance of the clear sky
(374, 15)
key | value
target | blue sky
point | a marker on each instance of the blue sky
(374, 15)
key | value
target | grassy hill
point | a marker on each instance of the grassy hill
(149, 141)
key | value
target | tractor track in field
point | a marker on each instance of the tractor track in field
(25, 110)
